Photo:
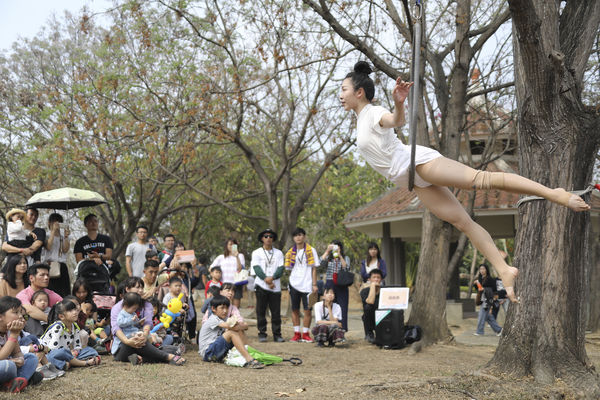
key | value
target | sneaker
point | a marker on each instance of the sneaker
(320, 344)
(297, 337)
(180, 349)
(58, 372)
(278, 339)
(47, 373)
(35, 379)
(262, 338)
(306, 338)
(477, 334)
(499, 333)
(370, 338)
(15, 385)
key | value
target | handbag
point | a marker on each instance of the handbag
(241, 278)
(344, 277)
(54, 269)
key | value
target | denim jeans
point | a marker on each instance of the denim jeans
(484, 315)
(9, 370)
(60, 357)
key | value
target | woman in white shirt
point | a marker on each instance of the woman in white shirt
(386, 154)
(231, 263)
(55, 253)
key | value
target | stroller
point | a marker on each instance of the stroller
(98, 278)
(179, 327)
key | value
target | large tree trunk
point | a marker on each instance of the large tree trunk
(593, 308)
(544, 335)
(429, 303)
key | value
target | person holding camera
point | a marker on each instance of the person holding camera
(334, 260)
(55, 253)
(232, 262)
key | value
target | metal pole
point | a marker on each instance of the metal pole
(414, 98)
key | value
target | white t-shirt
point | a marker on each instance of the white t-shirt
(301, 275)
(384, 152)
(322, 313)
(269, 261)
(137, 252)
(228, 266)
(55, 253)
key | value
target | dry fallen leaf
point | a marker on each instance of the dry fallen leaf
(300, 390)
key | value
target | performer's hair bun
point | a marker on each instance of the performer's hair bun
(362, 67)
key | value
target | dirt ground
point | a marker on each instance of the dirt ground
(354, 371)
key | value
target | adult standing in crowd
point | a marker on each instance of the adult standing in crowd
(15, 276)
(370, 299)
(486, 285)
(373, 261)
(166, 254)
(334, 260)
(34, 251)
(135, 255)
(39, 278)
(267, 265)
(231, 261)
(94, 246)
(302, 260)
(55, 254)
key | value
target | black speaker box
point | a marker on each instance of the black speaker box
(389, 332)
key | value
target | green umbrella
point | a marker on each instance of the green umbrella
(65, 199)
(264, 358)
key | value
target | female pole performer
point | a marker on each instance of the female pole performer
(386, 154)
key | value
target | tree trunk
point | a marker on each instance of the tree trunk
(593, 323)
(429, 302)
(544, 335)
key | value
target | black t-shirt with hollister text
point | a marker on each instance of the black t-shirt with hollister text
(85, 245)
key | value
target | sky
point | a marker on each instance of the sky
(24, 18)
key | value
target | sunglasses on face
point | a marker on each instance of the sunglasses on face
(268, 236)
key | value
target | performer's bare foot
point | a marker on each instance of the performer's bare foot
(508, 280)
(573, 201)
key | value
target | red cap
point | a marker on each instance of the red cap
(597, 186)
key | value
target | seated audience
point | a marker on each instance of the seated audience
(17, 370)
(219, 335)
(370, 299)
(328, 316)
(127, 319)
(63, 339)
(15, 276)
(38, 280)
(137, 348)
(40, 301)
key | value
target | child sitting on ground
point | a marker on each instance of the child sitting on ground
(228, 291)
(212, 292)
(18, 369)
(127, 319)
(218, 336)
(328, 317)
(63, 339)
(96, 329)
(215, 278)
(40, 301)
